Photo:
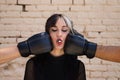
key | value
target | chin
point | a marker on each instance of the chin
(59, 47)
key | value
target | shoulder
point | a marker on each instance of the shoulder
(37, 58)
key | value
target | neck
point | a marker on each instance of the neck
(57, 52)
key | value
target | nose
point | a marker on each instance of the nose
(59, 34)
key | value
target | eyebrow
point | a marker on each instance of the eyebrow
(56, 26)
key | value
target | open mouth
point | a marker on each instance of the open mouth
(59, 41)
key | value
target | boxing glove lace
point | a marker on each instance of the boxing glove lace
(37, 44)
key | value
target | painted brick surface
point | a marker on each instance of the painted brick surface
(97, 20)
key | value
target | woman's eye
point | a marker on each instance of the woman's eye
(53, 30)
(64, 30)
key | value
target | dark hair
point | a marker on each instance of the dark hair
(51, 21)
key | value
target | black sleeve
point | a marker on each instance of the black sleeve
(29, 70)
(34, 68)
(82, 72)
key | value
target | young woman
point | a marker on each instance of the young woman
(55, 64)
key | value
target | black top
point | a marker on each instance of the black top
(48, 67)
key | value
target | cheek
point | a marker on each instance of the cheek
(53, 38)
(65, 36)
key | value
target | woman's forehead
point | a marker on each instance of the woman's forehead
(60, 22)
(60, 26)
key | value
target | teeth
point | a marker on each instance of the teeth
(59, 41)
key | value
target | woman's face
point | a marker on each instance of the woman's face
(59, 33)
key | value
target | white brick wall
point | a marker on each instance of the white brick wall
(97, 20)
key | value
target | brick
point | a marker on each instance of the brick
(2, 1)
(21, 39)
(12, 27)
(12, 21)
(95, 2)
(104, 34)
(25, 34)
(96, 21)
(96, 28)
(96, 67)
(21, 61)
(10, 8)
(112, 15)
(8, 40)
(114, 42)
(41, 8)
(110, 34)
(46, 14)
(9, 33)
(45, 2)
(10, 14)
(36, 21)
(28, 20)
(29, 28)
(112, 2)
(28, 1)
(79, 28)
(28, 34)
(114, 67)
(118, 1)
(72, 16)
(95, 8)
(94, 15)
(11, 1)
(112, 78)
(80, 8)
(78, 2)
(100, 41)
(96, 74)
(31, 8)
(34, 2)
(105, 62)
(10, 78)
(87, 74)
(6, 45)
(65, 2)
(96, 79)
(111, 74)
(112, 28)
(9, 73)
(94, 34)
(95, 61)
(63, 8)
(84, 21)
(83, 15)
(112, 8)
(3, 65)
(111, 21)
(31, 14)
(45, 8)
(1, 27)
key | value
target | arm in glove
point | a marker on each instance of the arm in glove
(78, 45)
(37, 44)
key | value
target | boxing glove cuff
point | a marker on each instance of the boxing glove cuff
(23, 49)
(90, 49)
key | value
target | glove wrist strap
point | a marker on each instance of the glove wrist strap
(91, 49)
(23, 49)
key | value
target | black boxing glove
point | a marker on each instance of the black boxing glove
(78, 45)
(37, 44)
